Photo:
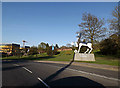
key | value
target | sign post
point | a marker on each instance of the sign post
(52, 47)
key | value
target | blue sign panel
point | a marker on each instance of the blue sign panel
(52, 47)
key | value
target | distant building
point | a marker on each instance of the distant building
(13, 49)
(25, 47)
(64, 49)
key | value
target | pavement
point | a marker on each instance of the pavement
(24, 73)
(100, 66)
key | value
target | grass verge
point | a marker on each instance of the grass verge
(68, 56)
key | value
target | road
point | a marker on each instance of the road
(24, 73)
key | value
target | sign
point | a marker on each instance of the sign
(52, 47)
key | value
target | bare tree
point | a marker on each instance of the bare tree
(114, 24)
(93, 27)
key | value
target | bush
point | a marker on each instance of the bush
(49, 51)
(33, 50)
(108, 46)
(111, 45)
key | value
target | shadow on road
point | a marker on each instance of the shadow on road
(75, 82)
(12, 67)
(70, 82)
(58, 72)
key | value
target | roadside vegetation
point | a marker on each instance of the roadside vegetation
(68, 56)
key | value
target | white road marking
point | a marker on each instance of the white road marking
(102, 76)
(43, 82)
(95, 74)
(16, 64)
(31, 72)
(27, 69)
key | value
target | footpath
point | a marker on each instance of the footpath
(92, 65)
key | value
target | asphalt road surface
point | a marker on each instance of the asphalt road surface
(24, 73)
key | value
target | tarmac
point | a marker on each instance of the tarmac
(92, 65)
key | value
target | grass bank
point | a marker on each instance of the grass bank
(68, 56)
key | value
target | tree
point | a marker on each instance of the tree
(114, 24)
(47, 47)
(93, 27)
(57, 46)
(63, 47)
(49, 51)
(84, 40)
(68, 45)
(42, 47)
(33, 50)
(110, 45)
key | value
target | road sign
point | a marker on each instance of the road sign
(52, 47)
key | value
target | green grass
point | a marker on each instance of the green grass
(114, 62)
(68, 56)
(63, 56)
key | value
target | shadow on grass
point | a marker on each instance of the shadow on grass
(30, 58)
(39, 58)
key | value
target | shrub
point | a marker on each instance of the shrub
(33, 50)
(108, 46)
(49, 51)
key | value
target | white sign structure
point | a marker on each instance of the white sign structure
(88, 45)
(86, 56)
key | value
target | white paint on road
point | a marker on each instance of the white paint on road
(43, 82)
(24, 68)
(93, 74)
(16, 64)
(27, 69)
(37, 77)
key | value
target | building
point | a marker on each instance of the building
(63, 49)
(10, 49)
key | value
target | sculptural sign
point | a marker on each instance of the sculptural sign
(88, 45)
(80, 44)
(86, 56)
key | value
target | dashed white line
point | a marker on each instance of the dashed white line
(31, 72)
(43, 82)
(102, 76)
(27, 69)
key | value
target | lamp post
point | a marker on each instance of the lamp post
(79, 37)
(24, 43)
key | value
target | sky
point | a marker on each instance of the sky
(49, 22)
